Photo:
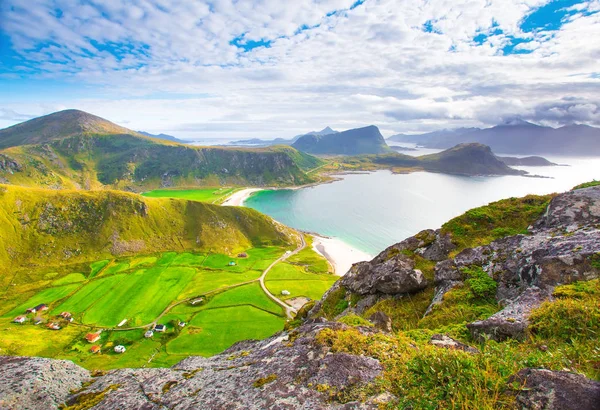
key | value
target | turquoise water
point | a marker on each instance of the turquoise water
(373, 211)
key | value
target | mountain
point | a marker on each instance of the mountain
(42, 227)
(517, 137)
(57, 126)
(464, 159)
(282, 141)
(477, 314)
(532, 161)
(367, 140)
(72, 149)
(163, 137)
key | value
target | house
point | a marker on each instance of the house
(181, 324)
(40, 308)
(53, 326)
(196, 301)
(232, 263)
(242, 255)
(92, 337)
(160, 328)
(120, 349)
(20, 319)
(149, 334)
(95, 349)
(65, 315)
(285, 292)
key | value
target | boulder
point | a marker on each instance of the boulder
(381, 321)
(550, 390)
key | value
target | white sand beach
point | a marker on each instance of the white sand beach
(338, 253)
(238, 198)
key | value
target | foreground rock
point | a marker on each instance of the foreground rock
(275, 373)
(37, 383)
(548, 390)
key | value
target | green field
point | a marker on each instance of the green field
(213, 195)
(158, 288)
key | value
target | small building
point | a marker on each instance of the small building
(120, 349)
(181, 324)
(242, 255)
(41, 307)
(285, 293)
(92, 337)
(160, 328)
(95, 349)
(38, 320)
(20, 319)
(53, 326)
(149, 334)
(66, 315)
(122, 322)
(232, 263)
(196, 301)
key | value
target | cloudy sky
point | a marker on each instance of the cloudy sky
(271, 68)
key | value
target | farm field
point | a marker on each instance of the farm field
(212, 195)
(144, 290)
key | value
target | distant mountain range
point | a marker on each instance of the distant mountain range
(162, 136)
(366, 140)
(515, 137)
(282, 141)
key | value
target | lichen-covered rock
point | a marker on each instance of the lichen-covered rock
(448, 343)
(548, 390)
(38, 383)
(286, 371)
(396, 275)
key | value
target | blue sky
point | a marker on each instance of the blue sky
(225, 68)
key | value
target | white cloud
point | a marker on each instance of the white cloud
(371, 65)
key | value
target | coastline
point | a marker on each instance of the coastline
(238, 198)
(340, 255)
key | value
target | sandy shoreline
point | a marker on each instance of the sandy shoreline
(341, 255)
(238, 198)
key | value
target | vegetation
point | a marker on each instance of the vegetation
(214, 195)
(480, 226)
(587, 185)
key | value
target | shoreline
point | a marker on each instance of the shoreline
(238, 198)
(340, 255)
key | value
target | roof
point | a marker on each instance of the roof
(92, 336)
(159, 327)
(95, 349)
(41, 306)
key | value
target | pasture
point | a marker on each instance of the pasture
(212, 195)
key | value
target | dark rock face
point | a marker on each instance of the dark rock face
(381, 321)
(275, 373)
(448, 343)
(37, 383)
(548, 390)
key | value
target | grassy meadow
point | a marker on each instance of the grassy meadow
(144, 290)
(213, 195)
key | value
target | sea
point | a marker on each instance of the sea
(371, 211)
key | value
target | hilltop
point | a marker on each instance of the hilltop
(463, 159)
(283, 141)
(477, 314)
(72, 149)
(516, 137)
(366, 140)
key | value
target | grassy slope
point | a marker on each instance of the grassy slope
(211, 195)
(54, 228)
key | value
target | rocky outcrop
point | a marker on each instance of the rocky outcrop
(37, 383)
(558, 250)
(381, 321)
(286, 371)
(448, 343)
(548, 390)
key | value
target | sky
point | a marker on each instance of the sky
(271, 68)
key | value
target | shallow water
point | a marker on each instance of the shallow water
(375, 210)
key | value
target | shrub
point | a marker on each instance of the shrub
(354, 320)
(480, 283)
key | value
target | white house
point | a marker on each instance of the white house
(20, 319)
(160, 328)
(120, 349)
(285, 293)
(148, 334)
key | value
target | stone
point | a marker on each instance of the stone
(551, 390)
(381, 321)
(448, 343)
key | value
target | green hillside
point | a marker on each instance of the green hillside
(76, 150)
(47, 227)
